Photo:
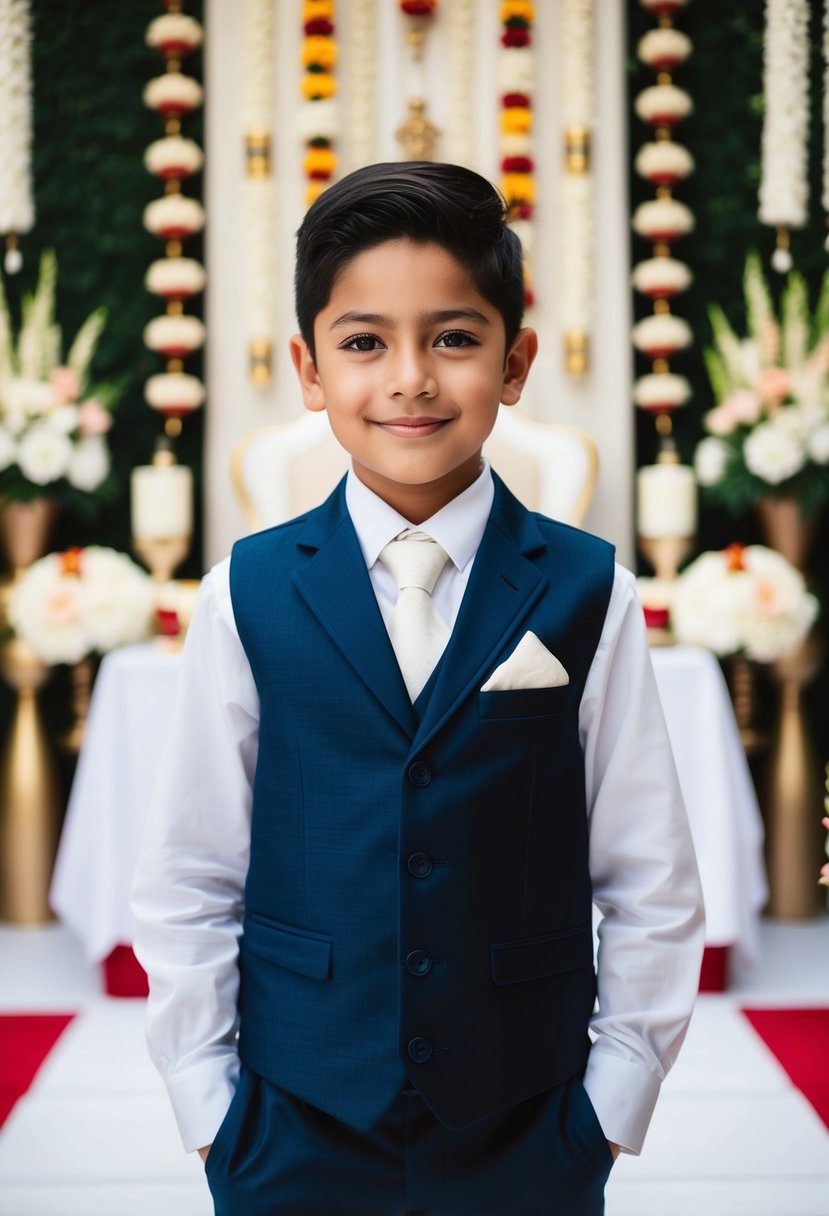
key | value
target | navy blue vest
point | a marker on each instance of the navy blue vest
(418, 900)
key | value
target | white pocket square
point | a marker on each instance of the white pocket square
(531, 665)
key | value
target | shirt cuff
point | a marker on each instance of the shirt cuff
(623, 1095)
(200, 1097)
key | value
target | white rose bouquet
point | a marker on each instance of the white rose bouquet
(769, 433)
(85, 601)
(52, 423)
(743, 600)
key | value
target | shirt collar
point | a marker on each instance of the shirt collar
(458, 527)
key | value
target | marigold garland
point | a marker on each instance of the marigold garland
(318, 56)
(516, 80)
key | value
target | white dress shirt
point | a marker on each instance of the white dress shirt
(189, 886)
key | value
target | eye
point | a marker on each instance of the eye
(363, 343)
(454, 339)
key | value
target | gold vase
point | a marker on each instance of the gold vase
(29, 787)
(741, 676)
(82, 675)
(25, 528)
(786, 529)
(794, 792)
(29, 796)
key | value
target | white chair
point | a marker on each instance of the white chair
(284, 469)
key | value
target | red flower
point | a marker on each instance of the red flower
(516, 37)
(319, 25)
(516, 99)
(517, 164)
(521, 211)
(418, 8)
(529, 297)
(735, 557)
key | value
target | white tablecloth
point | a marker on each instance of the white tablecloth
(128, 717)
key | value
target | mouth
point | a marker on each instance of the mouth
(411, 428)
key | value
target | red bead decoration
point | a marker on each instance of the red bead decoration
(516, 37)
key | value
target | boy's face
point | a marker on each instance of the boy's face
(411, 366)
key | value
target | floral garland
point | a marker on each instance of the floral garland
(17, 213)
(417, 134)
(784, 186)
(174, 218)
(360, 125)
(258, 200)
(577, 193)
(460, 42)
(825, 195)
(516, 84)
(319, 118)
(663, 220)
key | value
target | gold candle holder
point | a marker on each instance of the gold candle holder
(162, 555)
(666, 553)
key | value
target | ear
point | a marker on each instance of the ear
(517, 366)
(306, 370)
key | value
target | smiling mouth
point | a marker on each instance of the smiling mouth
(412, 428)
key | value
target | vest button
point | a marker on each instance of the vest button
(420, 1050)
(419, 773)
(420, 865)
(419, 962)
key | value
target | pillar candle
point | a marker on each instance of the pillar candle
(161, 501)
(666, 501)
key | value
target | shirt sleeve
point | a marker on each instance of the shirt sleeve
(644, 875)
(188, 891)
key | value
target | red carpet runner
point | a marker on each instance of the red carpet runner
(799, 1038)
(25, 1041)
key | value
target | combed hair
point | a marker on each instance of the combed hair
(419, 201)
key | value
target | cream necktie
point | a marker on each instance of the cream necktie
(418, 634)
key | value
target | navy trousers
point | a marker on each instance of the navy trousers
(275, 1155)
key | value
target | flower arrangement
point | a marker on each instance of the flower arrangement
(769, 433)
(320, 120)
(85, 601)
(743, 600)
(52, 423)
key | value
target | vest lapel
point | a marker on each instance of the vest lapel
(335, 584)
(502, 588)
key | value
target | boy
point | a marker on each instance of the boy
(390, 798)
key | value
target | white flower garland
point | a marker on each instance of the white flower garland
(825, 195)
(784, 187)
(459, 130)
(577, 236)
(258, 202)
(174, 218)
(17, 213)
(360, 126)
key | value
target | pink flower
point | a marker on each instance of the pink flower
(65, 384)
(719, 421)
(743, 406)
(773, 384)
(93, 419)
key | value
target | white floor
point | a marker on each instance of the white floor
(94, 1135)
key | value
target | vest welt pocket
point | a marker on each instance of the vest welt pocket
(297, 950)
(524, 702)
(531, 958)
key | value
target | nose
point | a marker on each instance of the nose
(411, 374)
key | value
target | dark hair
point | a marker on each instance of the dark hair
(419, 201)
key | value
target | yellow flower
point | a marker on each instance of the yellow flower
(313, 190)
(319, 160)
(318, 10)
(516, 120)
(518, 8)
(318, 84)
(518, 187)
(319, 50)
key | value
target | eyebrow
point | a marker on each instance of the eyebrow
(430, 318)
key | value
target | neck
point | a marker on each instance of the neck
(420, 502)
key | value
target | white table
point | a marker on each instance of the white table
(130, 709)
